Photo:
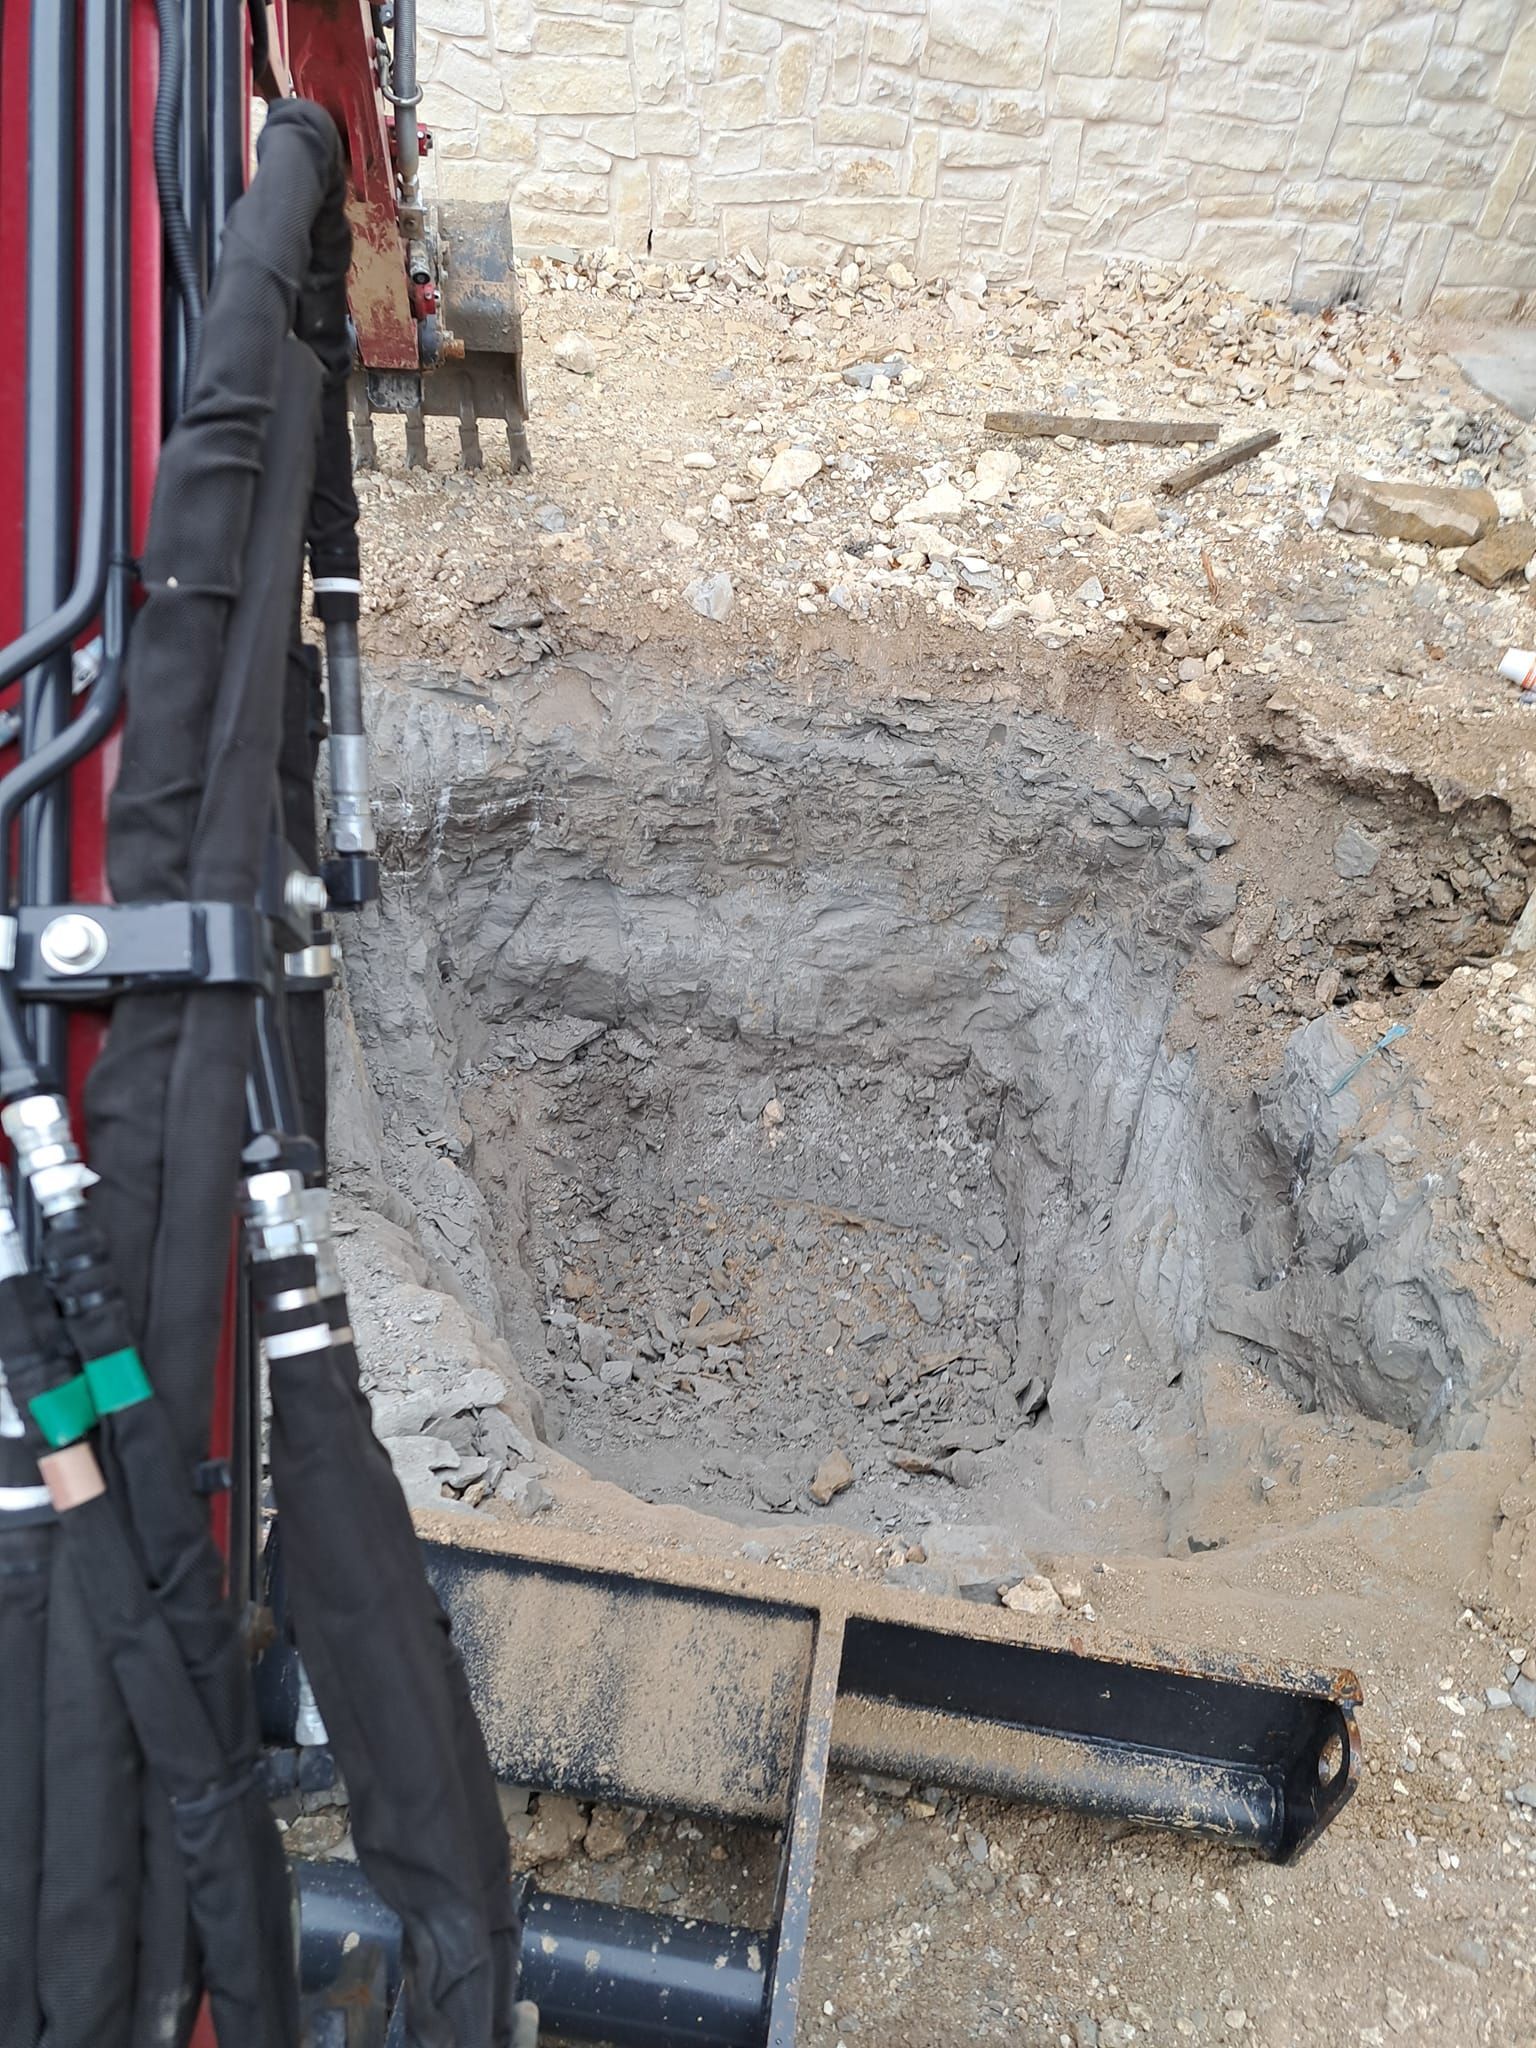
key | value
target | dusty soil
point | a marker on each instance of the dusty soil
(1378, 640)
(1331, 835)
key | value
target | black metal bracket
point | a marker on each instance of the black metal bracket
(671, 1688)
(91, 952)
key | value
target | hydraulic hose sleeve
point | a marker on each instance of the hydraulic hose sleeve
(79, 1273)
(333, 554)
(153, 1486)
(322, 323)
(41, 1369)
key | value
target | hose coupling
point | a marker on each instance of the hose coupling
(274, 1217)
(315, 1224)
(38, 1128)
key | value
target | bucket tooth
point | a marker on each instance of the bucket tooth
(517, 442)
(365, 450)
(416, 440)
(471, 454)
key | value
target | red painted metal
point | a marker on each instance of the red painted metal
(14, 39)
(331, 56)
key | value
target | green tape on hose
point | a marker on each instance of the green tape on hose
(117, 1381)
(66, 1412)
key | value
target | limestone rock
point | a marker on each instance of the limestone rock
(929, 541)
(712, 597)
(726, 1330)
(1500, 554)
(996, 469)
(1250, 931)
(558, 1826)
(420, 1463)
(1436, 515)
(1355, 854)
(862, 375)
(833, 1476)
(525, 1493)
(1032, 1595)
(575, 353)
(944, 501)
(606, 1834)
(790, 470)
(986, 42)
(1134, 515)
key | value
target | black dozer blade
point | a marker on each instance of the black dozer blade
(481, 313)
(669, 1684)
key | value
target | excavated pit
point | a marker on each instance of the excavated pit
(793, 1088)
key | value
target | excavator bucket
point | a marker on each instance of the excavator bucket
(479, 371)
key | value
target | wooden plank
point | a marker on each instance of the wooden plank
(1087, 427)
(1201, 472)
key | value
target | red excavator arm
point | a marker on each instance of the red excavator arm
(332, 51)
(433, 291)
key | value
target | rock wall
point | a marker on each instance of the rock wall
(734, 886)
(1306, 149)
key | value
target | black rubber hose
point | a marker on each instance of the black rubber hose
(54, 330)
(52, 744)
(167, 155)
(213, 1807)
(169, 1523)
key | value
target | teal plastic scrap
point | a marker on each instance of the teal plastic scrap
(1388, 1037)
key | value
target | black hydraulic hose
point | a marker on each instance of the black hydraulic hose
(95, 721)
(226, 118)
(167, 155)
(261, 40)
(50, 743)
(67, 620)
(85, 1874)
(333, 558)
(170, 1529)
(51, 304)
(382, 1662)
(166, 1176)
(52, 425)
(251, 2008)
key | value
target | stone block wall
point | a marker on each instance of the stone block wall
(1298, 149)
